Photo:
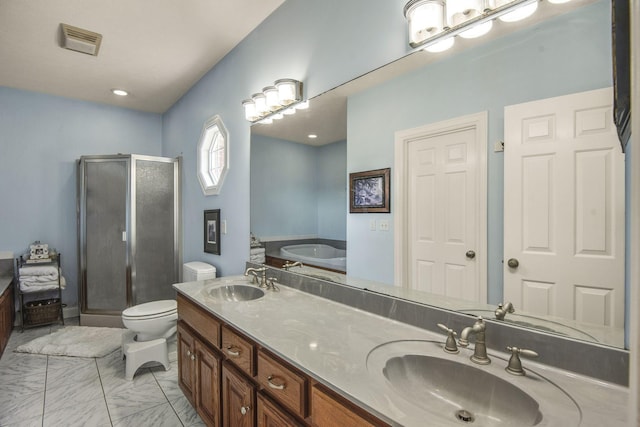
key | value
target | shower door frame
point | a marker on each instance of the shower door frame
(112, 318)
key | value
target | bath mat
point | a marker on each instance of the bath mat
(76, 341)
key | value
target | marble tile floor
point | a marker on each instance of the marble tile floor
(47, 391)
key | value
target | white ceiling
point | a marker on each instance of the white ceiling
(155, 49)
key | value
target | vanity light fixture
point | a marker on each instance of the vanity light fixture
(119, 92)
(284, 97)
(302, 105)
(434, 24)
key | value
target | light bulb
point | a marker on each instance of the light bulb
(477, 30)
(441, 45)
(520, 13)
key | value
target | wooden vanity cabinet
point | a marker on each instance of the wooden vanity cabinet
(238, 399)
(186, 366)
(329, 409)
(271, 415)
(284, 383)
(207, 326)
(233, 382)
(208, 376)
(199, 375)
(6, 317)
(238, 349)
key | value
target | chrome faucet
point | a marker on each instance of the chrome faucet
(262, 280)
(480, 351)
(288, 264)
(503, 309)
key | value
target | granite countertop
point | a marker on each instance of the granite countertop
(6, 270)
(333, 343)
(5, 282)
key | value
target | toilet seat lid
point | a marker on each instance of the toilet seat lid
(153, 308)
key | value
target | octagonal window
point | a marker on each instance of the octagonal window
(213, 156)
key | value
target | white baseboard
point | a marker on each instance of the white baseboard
(70, 312)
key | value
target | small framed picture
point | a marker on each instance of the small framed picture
(212, 231)
(370, 191)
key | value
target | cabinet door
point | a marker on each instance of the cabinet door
(186, 365)
(238, 399)
(207, 365)
(270, 415)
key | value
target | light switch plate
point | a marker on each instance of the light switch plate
(383, 225)
(223, 226)
(372, 225)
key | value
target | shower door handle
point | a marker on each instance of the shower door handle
(124, 236)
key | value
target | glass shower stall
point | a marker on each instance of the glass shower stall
(129, 230)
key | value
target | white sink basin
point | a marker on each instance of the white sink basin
(454, 391)
(234, 292)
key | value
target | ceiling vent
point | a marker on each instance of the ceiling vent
(84, 41)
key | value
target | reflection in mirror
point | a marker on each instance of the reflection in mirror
(299, 189)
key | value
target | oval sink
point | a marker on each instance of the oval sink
(235, 293)
(454, 390)
(466, 392)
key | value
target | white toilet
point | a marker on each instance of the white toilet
(149, 325)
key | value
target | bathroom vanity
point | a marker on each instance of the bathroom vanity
(7, 312)
(250, 356)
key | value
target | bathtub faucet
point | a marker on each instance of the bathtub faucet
(287, 265)
(262, 280)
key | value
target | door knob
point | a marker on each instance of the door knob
(513, 263)
(244, 410)
(470, 254)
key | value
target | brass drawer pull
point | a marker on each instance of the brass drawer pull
(233, 351)
(274, 385)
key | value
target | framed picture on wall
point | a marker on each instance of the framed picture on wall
(369, 191)
(212, 231)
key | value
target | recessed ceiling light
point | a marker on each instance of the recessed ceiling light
(119, 92)
(312, 136)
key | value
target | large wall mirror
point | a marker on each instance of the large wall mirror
(299, 184)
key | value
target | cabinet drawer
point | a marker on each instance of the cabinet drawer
(283, 383)
(328, 409)
(201, 321)
(238, 350)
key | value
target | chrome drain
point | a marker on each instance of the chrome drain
(465, 416)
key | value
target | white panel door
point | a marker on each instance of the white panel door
(564, 209)
(442, 213)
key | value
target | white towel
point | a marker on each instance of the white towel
(38, 270)
(257, 251)
(42, 286)
(257, 259)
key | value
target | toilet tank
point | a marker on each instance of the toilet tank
(196, 270)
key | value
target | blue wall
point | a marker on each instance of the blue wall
(297, 190)
(570, 54)
(332, 191)
(312, 41)
(41, 137)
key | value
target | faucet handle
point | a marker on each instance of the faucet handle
(515, 364)
(450, 345)
(271, 284)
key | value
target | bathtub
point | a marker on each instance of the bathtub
(316, 254)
